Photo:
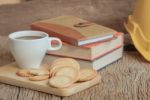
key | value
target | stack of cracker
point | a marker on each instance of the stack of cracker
(92, 45)
(62, 73)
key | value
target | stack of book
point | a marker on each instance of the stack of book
(92, 45)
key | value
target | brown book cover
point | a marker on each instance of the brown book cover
(99, 63)
(89, 52)
(74, 30)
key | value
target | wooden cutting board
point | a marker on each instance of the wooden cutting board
(8, 76)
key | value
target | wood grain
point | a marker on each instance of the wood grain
(126, 79)
(118, 79)
(2, 2)
(8, 76)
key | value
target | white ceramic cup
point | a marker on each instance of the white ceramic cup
(30, 53)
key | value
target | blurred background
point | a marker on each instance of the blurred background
(18, 14)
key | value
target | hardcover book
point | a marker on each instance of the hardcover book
(90, 51)
(74, 30)
(98, 63)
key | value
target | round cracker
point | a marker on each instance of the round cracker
(62, 63)
(65, 62)
(60, 81)
(67, 71)
(87, 74)
(39, 78)
(23, 73)
(38, 72)
(61, 59)
(55, 70)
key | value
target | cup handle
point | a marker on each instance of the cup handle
(50, 39)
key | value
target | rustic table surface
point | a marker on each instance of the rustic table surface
(126, 79)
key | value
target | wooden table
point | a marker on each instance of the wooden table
(126, 79)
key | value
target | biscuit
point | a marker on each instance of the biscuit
(63, 62)
(60, 81)
(38, 72)
(23, 73)
(46, 66)
(87, 74)
(61, 59)
(67, 71)
(39, 78)
(66, 62)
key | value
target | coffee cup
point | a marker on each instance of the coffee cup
(29, 47)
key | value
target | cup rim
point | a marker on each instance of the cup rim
(16, 34)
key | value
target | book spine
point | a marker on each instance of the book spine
(54, 34)
(85, 58)
(105, 53)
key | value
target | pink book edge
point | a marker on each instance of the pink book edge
(90, 59)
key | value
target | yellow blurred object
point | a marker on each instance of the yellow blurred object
(2, 2)
(138, 25)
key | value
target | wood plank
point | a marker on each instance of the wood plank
(8, 76)
(127, 79)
